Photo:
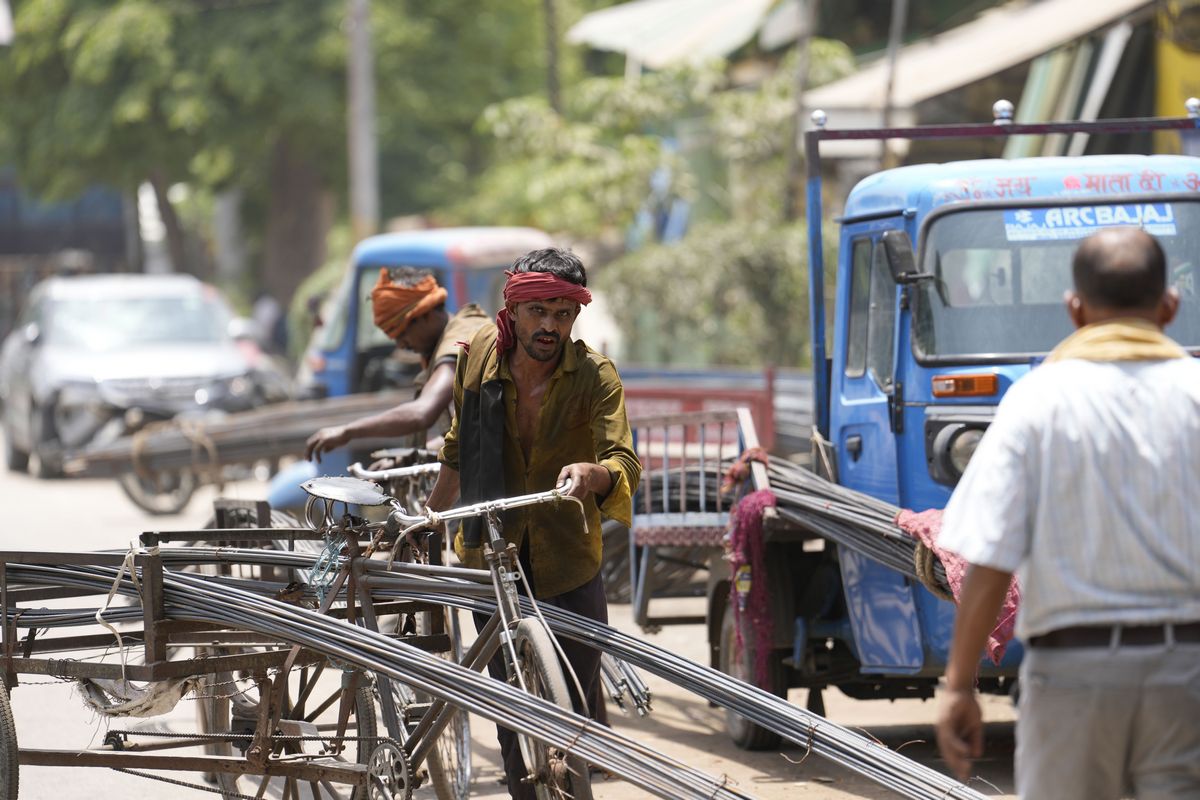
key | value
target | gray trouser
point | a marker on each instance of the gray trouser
(1098, 723)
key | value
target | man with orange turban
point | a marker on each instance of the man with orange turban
(410, 307)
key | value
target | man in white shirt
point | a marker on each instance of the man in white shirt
(1083, 486)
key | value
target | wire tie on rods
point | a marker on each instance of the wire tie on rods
(725, 781)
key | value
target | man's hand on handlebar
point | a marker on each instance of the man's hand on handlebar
(418, 539)
(586, 478)
(325, 440)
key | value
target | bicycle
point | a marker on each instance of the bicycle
(531, 653)
(449, 764)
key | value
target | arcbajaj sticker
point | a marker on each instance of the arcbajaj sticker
(1076, 222)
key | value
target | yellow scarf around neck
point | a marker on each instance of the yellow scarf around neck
(1126, 339)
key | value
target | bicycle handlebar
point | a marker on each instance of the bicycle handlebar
(414, 521)
(359, 471)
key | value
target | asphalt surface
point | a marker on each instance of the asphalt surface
(94, 514)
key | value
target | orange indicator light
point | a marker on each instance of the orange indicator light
(981, 385)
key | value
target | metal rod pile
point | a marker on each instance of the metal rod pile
(193, 598)
(470, 590)
(852, 519)
(244, 438)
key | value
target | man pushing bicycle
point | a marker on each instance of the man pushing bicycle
(529, 400)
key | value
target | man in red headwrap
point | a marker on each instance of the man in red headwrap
(534, 408)
(410, 308)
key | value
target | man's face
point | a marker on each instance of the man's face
(421, 335)
(543, 327)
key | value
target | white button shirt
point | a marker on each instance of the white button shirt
(1087, 486)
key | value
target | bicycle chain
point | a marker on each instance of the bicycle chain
(224, 737)
(186, 784)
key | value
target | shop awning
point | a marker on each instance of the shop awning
(659, 33)
(998, 39)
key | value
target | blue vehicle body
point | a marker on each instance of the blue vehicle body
(925, 346)
(350, 355)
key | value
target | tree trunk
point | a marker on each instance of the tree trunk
(299, 214)
(176, 246)
(550, 17)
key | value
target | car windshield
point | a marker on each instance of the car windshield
(1000, 274)
(112, 323)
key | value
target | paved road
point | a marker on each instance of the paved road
(93, 514)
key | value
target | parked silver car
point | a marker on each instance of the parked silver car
(95, 357)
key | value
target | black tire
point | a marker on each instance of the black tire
(558, 774)
(165, 492)
(9, 764)
(449, 763)
(744, 733)
(45, 453)
(229, 704)
(15, 459)
(672, 576)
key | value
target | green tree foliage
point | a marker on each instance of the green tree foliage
(209, 92)
(728, 293)
(588, 169)
(734, 290)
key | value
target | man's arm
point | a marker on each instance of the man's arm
(445, 490)
(960, 721)
(415, 416)
(616, 471)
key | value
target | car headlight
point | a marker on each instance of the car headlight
(240, 386)
(962, 447)
(951, 436)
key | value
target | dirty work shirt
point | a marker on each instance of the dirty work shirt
(582, 419)
(459, 328)
(1084, 484)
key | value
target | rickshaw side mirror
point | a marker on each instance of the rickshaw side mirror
(901, 260)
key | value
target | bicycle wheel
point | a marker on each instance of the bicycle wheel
(9, 770)
(449, 763)
(557, 774)
(229, 704)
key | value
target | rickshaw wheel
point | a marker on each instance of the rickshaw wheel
(741, 665)
(230, 704)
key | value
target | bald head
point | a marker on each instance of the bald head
(1120, 269)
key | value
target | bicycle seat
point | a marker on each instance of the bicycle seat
(347, 490)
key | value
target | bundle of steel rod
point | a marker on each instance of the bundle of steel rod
(265, 433)
(852, 519)
(223, 601)
(192, 598)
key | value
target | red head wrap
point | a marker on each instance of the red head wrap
(525, 286)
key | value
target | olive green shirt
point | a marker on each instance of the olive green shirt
(459, 328)
(582, 419)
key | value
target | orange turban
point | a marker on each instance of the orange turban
(395, 306)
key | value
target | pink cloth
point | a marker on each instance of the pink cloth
(746, 549)
(925, 527)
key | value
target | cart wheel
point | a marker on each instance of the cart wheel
(388, 773)
(229, 705)
(744, 733)
(556, 774)
(449, 763)
(8, 749)
(166, 492)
